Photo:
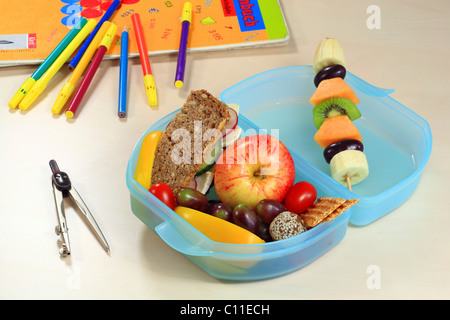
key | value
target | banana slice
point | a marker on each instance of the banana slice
(351, 164)
(329, 52)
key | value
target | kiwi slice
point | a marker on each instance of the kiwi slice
(333, 107)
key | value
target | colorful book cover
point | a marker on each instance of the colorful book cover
(31, 29)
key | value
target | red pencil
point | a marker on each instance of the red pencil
(142, 46)
(149, 80)
(103, 47)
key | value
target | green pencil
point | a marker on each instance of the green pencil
(29, 82)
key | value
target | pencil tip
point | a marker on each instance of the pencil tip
(124, 28)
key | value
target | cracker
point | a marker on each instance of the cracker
(343, 207)
(321, 209)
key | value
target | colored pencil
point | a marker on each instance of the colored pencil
(41, 84)
(103, 47)
(106, 16)
(69, 86)
(149, 80)
(30, 81)
(181, 63)
(123, 78)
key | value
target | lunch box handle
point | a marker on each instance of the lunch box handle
(177, 241)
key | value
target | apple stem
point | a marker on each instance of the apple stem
(258, 174)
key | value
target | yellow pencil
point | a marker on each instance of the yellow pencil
(69, 86)
(29, 82)
(41, 84)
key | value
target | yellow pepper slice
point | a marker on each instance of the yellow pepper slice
(143, 173)
(217, 229)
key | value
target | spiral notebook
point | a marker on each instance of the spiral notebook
(31, 29)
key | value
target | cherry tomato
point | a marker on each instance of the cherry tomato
(300, 197)
(164, 193)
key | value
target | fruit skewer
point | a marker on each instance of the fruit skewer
(335, 109)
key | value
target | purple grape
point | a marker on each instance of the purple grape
(211, 203)
(191, 198)
(264, 232)
(268, 209)
(334, 148)
(246, 217)
(329, 72)
(220, 210)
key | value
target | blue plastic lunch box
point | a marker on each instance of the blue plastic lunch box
(397, 144)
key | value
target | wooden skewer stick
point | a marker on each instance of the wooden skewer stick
(349, 184)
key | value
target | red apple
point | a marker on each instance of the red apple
(256, 167)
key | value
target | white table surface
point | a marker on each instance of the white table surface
(409, 247)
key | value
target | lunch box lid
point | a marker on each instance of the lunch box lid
(397, 141)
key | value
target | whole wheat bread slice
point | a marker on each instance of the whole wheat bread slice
(201, 112)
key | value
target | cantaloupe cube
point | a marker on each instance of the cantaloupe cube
(335, 129)
(334, 87)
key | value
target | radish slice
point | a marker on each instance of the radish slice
(233, 137)
(193, 184)
(234, 106)
(231, 123)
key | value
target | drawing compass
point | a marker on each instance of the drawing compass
(62, 188)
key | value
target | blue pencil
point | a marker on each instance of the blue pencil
(73, 63)
(122, 111)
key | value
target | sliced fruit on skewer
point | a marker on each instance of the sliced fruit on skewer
(330, 72)
(335, 87)
(334, 110)
(329, 52)
(335, 129)
(334, 107)
(334, 148)
(349, 167)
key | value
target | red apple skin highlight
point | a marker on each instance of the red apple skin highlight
(256, 167)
